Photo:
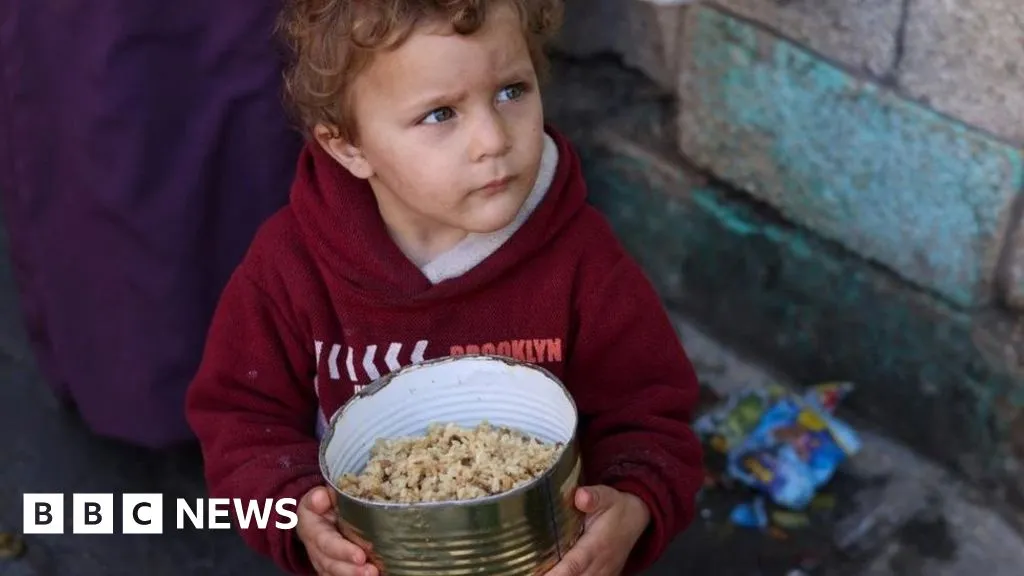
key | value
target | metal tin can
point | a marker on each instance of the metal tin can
(524, 531)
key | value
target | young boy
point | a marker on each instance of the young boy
(434, 213)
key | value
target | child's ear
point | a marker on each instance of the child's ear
(347, 154)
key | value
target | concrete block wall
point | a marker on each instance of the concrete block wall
(894, 127)
(923, 194)
(891, 131)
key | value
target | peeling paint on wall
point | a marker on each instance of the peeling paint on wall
(920, 193)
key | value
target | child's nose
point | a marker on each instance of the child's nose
(490, 137)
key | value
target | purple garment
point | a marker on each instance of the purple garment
(141, 144)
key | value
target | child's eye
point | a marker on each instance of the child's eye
(439, 115)
(512, 92)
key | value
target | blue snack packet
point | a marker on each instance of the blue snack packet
(729, 424)
(794, 450)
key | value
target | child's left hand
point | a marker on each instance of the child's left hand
(615, 520)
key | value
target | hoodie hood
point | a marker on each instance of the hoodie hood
(338, 216)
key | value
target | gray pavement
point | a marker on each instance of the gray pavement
(909, 517)
(904, 517)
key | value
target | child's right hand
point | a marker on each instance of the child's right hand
(330, 552)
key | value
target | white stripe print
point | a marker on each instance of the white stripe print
(370, 369)
(351, 366)
(418, 351)
(332, 361)
(391, 358)
(318, 345)
(368, 365)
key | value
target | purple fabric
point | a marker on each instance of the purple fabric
(141, 144)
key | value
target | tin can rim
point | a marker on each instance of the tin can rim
(377, 385)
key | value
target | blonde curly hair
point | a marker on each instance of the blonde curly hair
(331, 41)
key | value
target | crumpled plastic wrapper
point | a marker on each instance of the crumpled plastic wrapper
(783, 445)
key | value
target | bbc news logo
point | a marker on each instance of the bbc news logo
(144, 513)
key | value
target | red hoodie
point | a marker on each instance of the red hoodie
(324, 302)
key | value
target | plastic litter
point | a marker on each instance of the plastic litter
(790, 520)
(782, 445)
(750, 514)
(823, 502)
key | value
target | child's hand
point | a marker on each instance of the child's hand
(615, 520)
(330, 552)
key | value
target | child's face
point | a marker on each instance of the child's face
(450, 129)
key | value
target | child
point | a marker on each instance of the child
(434, 213)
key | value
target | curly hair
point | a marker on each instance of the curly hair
(331, 41)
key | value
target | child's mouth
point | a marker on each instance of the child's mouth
(498, 185)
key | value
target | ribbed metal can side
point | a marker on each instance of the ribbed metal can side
(524, 531)
(521, 533)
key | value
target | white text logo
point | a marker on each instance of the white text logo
(144, 513)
